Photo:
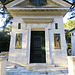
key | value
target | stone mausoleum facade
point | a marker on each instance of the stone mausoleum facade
(38, 35)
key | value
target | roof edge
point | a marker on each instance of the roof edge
(67, 2)
(72, 29)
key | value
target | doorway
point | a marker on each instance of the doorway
(37, 50)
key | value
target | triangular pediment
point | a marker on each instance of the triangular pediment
(27, 3)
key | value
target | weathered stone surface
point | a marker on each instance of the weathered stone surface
(37, 71)
(3, 63)
(38, 19)
(73, 41)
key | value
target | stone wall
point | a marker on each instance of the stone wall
(71, 65)
(73, 42)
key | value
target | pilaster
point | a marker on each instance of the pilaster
(48, 59)
(28, 45)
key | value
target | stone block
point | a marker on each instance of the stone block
(3, 63)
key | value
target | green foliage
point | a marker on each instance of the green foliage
(8, 28)
(69, 25)
(68, 40)
(4, 41)
(4, 2)
(0, 2)
(3, 12)
(68, 36)
(69, 45)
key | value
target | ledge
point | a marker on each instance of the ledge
(71, 58)
(19, 8)
(3, 58)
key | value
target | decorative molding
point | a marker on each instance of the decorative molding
(37, 11)
(37, 25)
(38, 20)
(13, 8)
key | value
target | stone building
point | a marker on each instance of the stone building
(38, 32)
(73, 41)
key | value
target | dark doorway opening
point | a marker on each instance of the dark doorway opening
(37, 52)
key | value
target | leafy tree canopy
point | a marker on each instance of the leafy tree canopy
(69, 25)
(8, 29)
(4, 2)
(4, 12)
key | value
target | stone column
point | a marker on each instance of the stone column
(3, 63)
(48, 59)
(71, 65)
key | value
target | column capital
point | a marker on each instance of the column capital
(26, 28)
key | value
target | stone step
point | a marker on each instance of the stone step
(36, 73)
(34, 66)
(11, 70)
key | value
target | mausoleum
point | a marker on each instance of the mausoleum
(38, 35)
(72, 41)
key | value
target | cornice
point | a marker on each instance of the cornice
(13, 8)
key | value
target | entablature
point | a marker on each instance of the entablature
(37, 11)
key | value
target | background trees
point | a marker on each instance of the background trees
(71, 23)
(68, 26)
(5, 14)
(6, 26)
(6, 29)
(72, 8)
(4, 42)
